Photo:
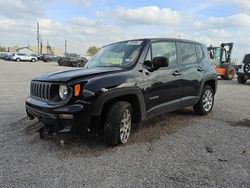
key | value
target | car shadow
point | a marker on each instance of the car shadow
(149, 131)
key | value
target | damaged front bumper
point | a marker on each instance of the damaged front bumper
(67, 118)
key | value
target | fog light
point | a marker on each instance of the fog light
(65, 116)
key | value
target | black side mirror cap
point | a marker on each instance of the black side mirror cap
(159, 62)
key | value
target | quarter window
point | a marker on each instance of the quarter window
(188, 53)
(165, 49)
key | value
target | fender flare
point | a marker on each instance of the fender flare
(112, 94)
(208, 78)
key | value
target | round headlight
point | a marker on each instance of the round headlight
(63, 91)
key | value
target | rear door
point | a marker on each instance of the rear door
(163, 87)
(191, 56)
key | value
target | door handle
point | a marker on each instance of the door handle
(177, 73)
(200, 69)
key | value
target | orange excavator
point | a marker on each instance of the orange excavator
(221, 57)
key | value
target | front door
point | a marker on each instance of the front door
(163, 86)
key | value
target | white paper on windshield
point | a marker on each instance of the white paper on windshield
(134, 42)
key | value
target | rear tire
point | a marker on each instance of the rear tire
(59, 62)
(242, 80)
(229, 74)
(33, 60)
(18, 59)
(117, 126)
(206, 102)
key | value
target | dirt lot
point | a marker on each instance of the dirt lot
(168, 151)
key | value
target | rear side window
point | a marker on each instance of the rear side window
(165, 49)
(199, 52)
(188, 53)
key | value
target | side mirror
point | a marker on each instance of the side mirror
(159, 62)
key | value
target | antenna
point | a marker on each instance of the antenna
(65, 47)
(38, 38)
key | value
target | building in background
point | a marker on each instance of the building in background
(48, 50)
(24, 50)
(12, 49)
(33, 50)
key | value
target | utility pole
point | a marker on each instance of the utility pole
(65, 47)
(38, 38)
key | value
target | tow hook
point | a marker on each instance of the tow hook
(45, 132)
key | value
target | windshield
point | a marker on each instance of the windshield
(120, 54)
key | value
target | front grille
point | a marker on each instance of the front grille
(41, 90)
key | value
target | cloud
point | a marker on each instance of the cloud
(20, 9)
(236, 21)
(85, 3)
(244, 5)
(82, 21)
(148, 15)
(110, 24)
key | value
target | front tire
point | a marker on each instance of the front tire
(33, 60)
(18, 59)
(117, 126)
(242, 80)
(206, 102)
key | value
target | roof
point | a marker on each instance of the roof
(24, 48)
(159, 39)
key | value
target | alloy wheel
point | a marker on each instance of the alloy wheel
(125, 126)
(207, 100)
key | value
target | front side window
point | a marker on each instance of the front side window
(188, 53)
(165, 49)
(199, 51)
(120, 54)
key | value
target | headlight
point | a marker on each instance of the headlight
(63, 91)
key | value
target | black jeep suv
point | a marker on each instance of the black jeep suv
(244, 70)
(124, 83)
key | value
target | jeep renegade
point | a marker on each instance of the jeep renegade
(124, 83)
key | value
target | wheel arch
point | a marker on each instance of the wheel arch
(132, 95)
(211, 81)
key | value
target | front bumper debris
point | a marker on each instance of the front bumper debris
(68, 118)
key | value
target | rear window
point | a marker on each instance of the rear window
(188, 53)
(246, 58)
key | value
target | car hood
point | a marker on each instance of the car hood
(68, 75)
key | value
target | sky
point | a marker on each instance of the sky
(90, 22)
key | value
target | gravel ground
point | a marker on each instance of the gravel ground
(168, 151)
